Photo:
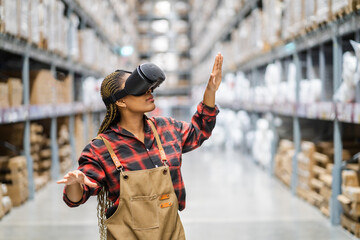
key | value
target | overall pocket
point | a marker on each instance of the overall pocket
(144, 212)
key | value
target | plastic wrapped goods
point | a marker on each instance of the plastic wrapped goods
(34, 21)
(10, 16)
(74, 37)
(23, 18)
(261, 145)
(323, 10)
(350, 75)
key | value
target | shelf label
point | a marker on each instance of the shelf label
(344, 112)
(312, 111)
(301, 110)
(357, 112)
(326, 111)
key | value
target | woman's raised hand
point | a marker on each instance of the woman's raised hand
(216, 74)
(76, 176)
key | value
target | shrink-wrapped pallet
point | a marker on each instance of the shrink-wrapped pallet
(34, 22)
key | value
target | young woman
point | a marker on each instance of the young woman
(134, 163)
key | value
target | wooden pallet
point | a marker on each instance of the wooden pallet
(315, 26)
(341, 13)
(350, 225)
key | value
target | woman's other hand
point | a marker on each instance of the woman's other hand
(76, 176)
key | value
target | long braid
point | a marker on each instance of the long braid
(111, 84)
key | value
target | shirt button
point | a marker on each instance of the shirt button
(147, 149)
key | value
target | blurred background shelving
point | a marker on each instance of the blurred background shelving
(291, 79)
(290, 97)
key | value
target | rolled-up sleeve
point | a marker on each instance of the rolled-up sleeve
(89, 165)
(195, 133)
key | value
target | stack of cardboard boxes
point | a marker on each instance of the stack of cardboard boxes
(79, 135)
(350, 201)
(320, 183)
(11, 93)
(13, 173)
(57, 90)
(315, 163)
(41, 155)
(283, 161)
(305, 169)
(64, 148)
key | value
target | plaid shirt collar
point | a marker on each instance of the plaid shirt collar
(120, 130)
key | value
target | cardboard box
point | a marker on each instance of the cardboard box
(353, 193)
(325, 211)
(317, 170)
(18, 194)
(45, 153)
(350, 178)
(327, 179)
(315, 198)
(4, 95)
(303, 193)
(321, 158)
(326, 193)
(316, 184)
(42, 87)
(15, 92)
(308, 148)
(329, 168)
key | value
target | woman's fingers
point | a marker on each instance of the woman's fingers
(89, 183)
(62, 181)
(75, 176)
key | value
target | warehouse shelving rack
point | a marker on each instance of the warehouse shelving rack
(28, 113)
(300, 50)
(171, 35)
(224, 32)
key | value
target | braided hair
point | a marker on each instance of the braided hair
(111, 84)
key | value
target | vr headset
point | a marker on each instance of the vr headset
(145, 77)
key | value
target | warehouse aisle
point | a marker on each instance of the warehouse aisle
(228, 197)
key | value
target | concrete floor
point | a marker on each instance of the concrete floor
(228, 197)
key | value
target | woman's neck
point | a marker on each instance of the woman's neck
(133, 123)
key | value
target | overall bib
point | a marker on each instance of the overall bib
(148, 206)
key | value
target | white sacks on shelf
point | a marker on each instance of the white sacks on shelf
(350, 75)
(91, 91)
(230, 130)
(272, 81)
(310, 90)
(10, 16)
(262, 143)
(34, 20)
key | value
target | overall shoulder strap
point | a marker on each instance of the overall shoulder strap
(161, 149)
(111, 151)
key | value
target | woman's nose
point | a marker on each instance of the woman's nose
(149, 91)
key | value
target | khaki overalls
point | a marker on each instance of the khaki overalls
(148, 206)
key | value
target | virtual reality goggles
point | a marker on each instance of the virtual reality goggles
(145, 77)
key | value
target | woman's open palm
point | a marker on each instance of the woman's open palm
(76, 177)
(216, 74)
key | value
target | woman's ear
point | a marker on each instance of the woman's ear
(121, 103)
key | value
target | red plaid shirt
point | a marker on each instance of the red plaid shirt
(177, 137)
